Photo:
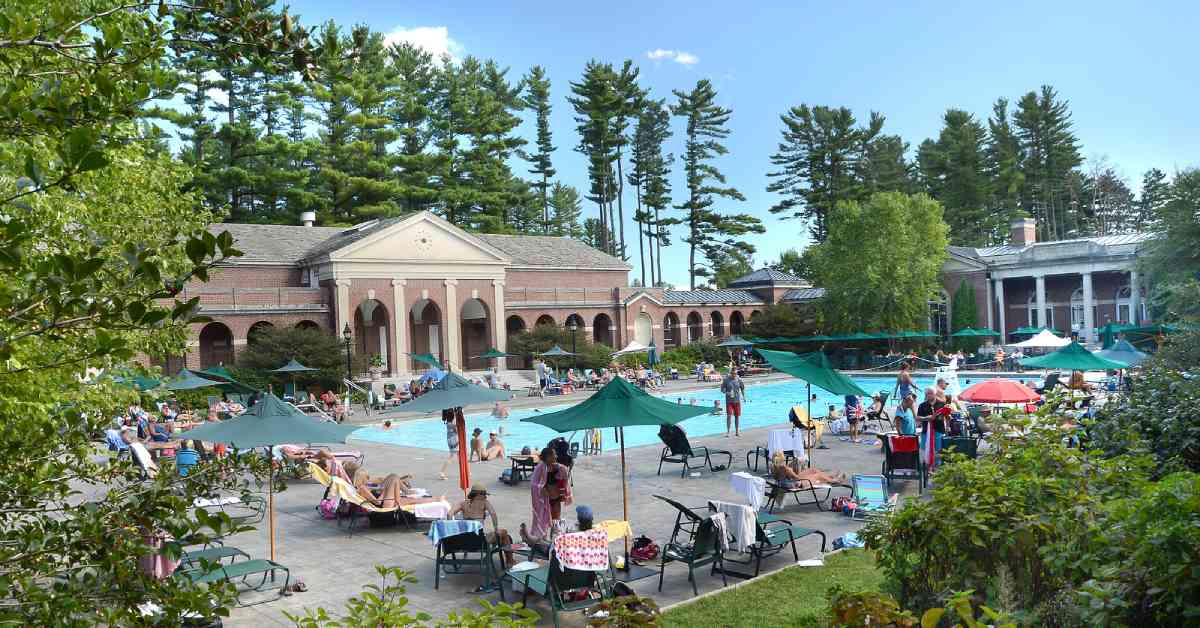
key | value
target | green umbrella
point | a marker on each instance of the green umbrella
(454, 391)
(427, 358)
(270, 422)
(651, 354)
(965, 332)
(814, 370)
(618, 404)
(1073, 357)
(293, 367)
(557, 352)
(1122, 351)
(493, 352)
(187, 380)
(817, 338)
(736, 342)
(219, 372)
(135, 381)
(818, 358)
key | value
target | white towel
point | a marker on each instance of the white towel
(741, 521)
(432, 510)
(750, 486)
(722, 529)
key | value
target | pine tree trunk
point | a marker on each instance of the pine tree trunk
(545, 205)
(658, 238)
(620, 201)
(641, 251)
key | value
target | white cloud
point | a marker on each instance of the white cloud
(678, 56)
(435, 40)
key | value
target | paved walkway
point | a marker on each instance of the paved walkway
(336, 566)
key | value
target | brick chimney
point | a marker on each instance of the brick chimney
(308, 218)
(1023, 232)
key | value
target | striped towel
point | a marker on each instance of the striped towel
(583, 551)
(439, 530)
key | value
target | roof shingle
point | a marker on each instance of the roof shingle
(803, 294)
(681, 297)
(551, 251)
(766, 276)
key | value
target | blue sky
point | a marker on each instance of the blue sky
(1128, 70)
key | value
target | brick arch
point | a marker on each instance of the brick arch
(737, 323)
(695, 327)
(216, 345)
(256, 330)
(671, 336)
(718, 323)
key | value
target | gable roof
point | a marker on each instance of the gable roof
(552, 252)
(346, 236)
(798, 295)
(765, 276)
(681, 297)
(274, 244)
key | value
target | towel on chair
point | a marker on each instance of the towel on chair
(743, 525)
(721, 525)
(750, 486)
(439, 530)
(583, 551)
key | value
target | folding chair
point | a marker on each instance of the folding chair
(902, 460)
(679, 451)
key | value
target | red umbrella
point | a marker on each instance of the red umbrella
(464, 464)
(999, 390)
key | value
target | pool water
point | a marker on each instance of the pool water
(765, 404)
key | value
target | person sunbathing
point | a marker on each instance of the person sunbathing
(1077, 381)
(327, 461)
(792, 475)
(388, 492)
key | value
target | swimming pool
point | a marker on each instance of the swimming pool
(765, 404)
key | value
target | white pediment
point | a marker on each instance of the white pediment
(421, 238)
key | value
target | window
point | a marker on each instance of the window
(1031, 306)
(1125, 303)
(1077, 313)
(939, 314)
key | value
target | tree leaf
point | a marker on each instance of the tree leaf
(931, 617)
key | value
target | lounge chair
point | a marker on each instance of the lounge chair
(704, 549)
(870, 496)
(965, 445)
(1052, 381)
(406, 514)
(902, 460)
(458, 553)
(772, 535)
(882, 420)
(686, 520)
(679, 451)
(777, 493)
(240, 572)
(195, 559)
(522, 466)
(558, 585)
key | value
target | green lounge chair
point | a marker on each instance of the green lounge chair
(870, 494)
(703, 550)
(463, 553)
(241, 573)
(678, 450)
(195, 559)
(557, 584)
(772, 535)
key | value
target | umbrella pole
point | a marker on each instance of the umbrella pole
(624, 493)
(808, 401)
(271, 503)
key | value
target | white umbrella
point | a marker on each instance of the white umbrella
(632, 347)
(1044, 339)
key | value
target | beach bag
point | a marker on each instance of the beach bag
(644, 549)
(329, 507)
(506, 476)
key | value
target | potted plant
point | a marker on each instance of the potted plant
(377, 366)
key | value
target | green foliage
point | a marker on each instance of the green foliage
(649, 173)
(565, 211)
(314, 348)
(866, 608)
(794, 262)
(1050, 153)
(964, 313)
(780, 319)
(953, 171)
(708, 231)
(1147, 575)
(1158, 416)
(543, 337)
(686, 358)
(1172, 260)
(878, 278)
(537, 86)
(386, 604)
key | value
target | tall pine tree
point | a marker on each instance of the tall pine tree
(1004, 161)
(596, 101)
(537, 99)
(709, 232)
(1051, 151)
(953, 170)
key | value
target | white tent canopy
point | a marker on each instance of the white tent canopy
(632, 347)
(1044, 339)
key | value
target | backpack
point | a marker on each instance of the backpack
(643, 549)
(329, 507)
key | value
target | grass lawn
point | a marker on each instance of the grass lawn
(794, 596)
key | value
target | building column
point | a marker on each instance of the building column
(400, 327)
(1041, 301)
(1135, 299)
(988, 287)
(453, 324)
(1000, 310)
(343, 306)
(1089, 321)
(499, 323)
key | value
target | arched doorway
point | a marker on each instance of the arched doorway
(254, 335)
(695, 326)
(475, 336)
(544, 320)
(737, 324)
(514, 325)
(1124, 306)
(602, 331)
(425, 330)
(306, 324)
(643, 329)
(575, 319)
(216, 345)
(371, 332)
(718, 325)
(670, 331)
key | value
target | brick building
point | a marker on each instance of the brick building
(417, 284)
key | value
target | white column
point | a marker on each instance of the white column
(453, 325)
(343, 306)
(1135, 298)
(498, 322)
(1089, 322)
(1041, 301)
(1000, 310)
(988, 287)
(400, 325)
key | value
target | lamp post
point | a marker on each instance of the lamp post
(347, 336)
(572, 327)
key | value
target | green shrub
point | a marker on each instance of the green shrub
(1159, 415)
(315, 348)
(543, 337)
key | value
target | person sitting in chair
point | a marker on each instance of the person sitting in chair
(388, 492)
(476, 507)
(791, 475)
